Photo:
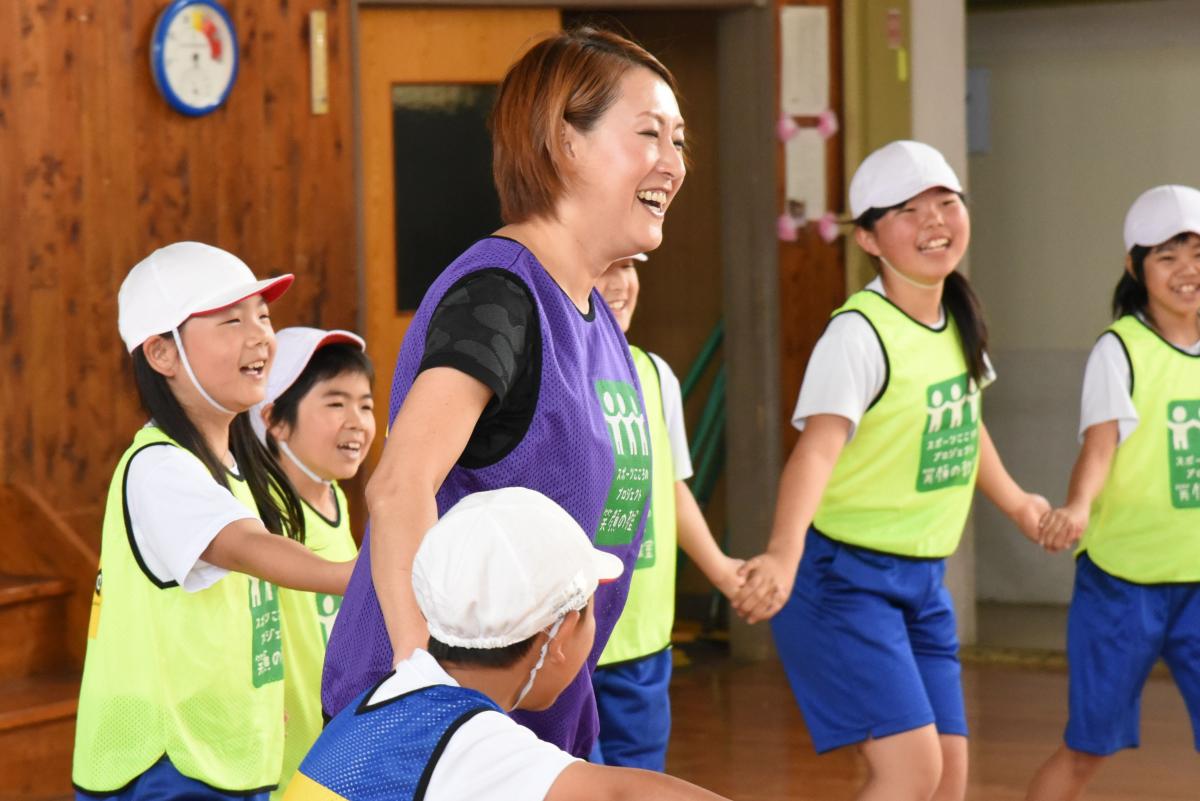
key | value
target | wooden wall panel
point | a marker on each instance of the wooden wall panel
(812, 273)
(96, 171)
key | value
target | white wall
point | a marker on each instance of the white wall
(939, 118)
(1089, 106)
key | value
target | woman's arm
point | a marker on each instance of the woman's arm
(1025, 509)
(769, 576)
(427, 437)
(1063, 527)
(247, 547)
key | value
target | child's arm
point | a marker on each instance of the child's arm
(770, 575)
(1063, 527)
(1025, 509)
(582, 780)
(429, 434)
(697, 542)
(245, 546)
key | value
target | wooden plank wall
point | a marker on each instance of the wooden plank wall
(812, 273)
(96, 171)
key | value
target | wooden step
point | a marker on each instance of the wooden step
(37, 735)
(33, 619)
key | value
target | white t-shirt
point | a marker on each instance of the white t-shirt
(1106, 391)
(672, 397)
(491, 756)
(176, 509)
(848, 368)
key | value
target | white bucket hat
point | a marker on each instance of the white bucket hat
(502, 565)
(1160, 214)
(896, 172)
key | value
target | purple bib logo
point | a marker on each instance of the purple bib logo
(630, 440)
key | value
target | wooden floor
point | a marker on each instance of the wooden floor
(738, 732)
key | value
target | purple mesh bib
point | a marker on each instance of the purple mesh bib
(587, 448)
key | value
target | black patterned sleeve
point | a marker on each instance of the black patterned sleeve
(482, 327)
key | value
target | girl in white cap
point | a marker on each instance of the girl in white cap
(318, 421)
(877, 490)
(182, 689)
(1134, 497)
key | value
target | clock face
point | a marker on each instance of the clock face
(194, 55)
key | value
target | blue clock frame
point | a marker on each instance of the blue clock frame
(157, 53)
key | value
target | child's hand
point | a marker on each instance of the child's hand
(1063, 527)
(1028, 516)
(728, 578)
(768, 585)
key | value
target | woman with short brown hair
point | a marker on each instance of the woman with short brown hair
(514, 372)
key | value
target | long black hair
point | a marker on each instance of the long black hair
(1130, 295)
(275, 498)
(957, 296)
(328, 362)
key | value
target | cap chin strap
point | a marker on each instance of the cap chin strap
(187, 367)
(283, 446)
(906, 279)
(541, 660)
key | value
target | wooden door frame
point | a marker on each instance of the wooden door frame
(746, 67)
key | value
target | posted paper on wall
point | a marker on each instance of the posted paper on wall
(804, 82)
(804, 155)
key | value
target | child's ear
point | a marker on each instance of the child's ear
(557, 651)
(162, 355)
(280, 431)
(1129, 266)
(866, 241)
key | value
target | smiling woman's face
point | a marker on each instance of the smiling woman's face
(626, 170)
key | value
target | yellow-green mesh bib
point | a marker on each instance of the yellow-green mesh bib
(904, 482)
(1145, 523)
(307, 621)
(645, 624)
(195, 676)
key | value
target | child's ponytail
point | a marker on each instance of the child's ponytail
(276, 499)
(963, 305)
(1130, 296)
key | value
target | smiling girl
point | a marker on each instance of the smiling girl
(182, 683)
(877, 490)
(1135, 497)
(318, 421)
(513, 371)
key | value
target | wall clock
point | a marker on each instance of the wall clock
(194, 56)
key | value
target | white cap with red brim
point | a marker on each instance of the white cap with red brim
(184, 280)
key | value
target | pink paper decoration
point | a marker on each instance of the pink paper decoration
(827, 227)
(786, 128)
(827, 123)
(786, 228)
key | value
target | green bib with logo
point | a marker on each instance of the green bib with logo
(644, 627)
(1145, 523)
(307, 621)
(903, 484)
(195, 676)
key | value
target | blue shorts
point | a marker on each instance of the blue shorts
(162, 782)
(869, 644)
(635, 712)
(1116, 631)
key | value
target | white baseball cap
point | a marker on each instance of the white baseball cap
(502, 565)
(294, 349)
(896, 172)
(183, 280)
(1161, 213)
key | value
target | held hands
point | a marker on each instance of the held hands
(1028, 516)
(1062, 528)
(768, 584)
(728, 578)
